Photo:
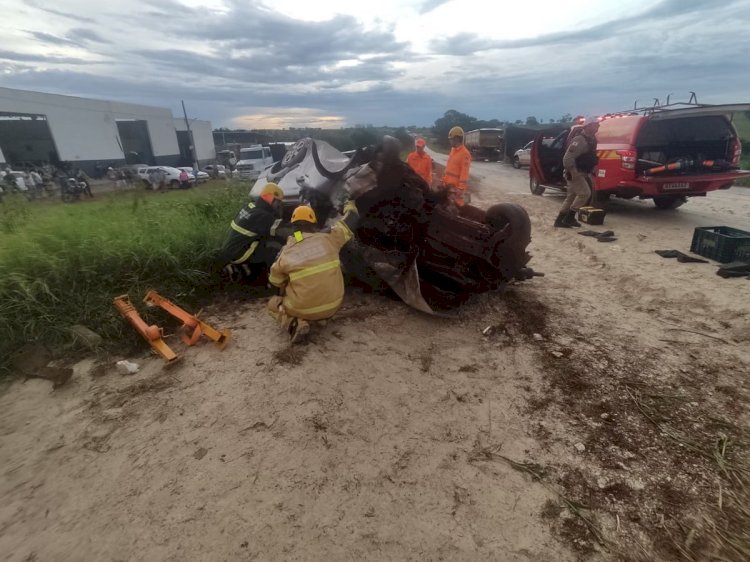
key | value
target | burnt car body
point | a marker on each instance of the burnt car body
(431, 253)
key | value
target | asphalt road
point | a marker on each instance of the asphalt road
(719, 208)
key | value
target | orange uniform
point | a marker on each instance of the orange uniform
(422, 164)
(457, 172)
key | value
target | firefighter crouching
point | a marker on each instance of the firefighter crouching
(253, 242)
(308, 271)
(456, 177)
(579, 162)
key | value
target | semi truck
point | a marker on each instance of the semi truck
(485, 144)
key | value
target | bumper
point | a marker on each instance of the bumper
(678, 185)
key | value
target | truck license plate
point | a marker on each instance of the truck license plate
(676, 186)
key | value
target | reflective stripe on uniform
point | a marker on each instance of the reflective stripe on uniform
(246, 232)
(274, 226)
(298, 236)
(276, 280)
(306, 272)
(246, 256)
(318, 309)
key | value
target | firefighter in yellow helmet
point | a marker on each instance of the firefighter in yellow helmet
(308, 271)
(456, 177)
(253, 239)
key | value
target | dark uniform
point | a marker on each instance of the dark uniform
(252, 238)
(582, 149)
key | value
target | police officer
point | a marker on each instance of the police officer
(579, 162)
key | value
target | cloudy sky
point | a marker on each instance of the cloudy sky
(331, 63)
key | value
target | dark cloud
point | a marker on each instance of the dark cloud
(467, 44)
(429, 5)
(83, 34)
(26, 57)
(76, 17)
(52, 39)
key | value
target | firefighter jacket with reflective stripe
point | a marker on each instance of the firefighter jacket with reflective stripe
(309, 272)
(422, 164)
(457, 168)
(253, 225)
(579, 146)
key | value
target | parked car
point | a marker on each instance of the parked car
(663, 153)
(409, 238)
(172, 175)
(522, 156)
(216, 170)
(202, 176)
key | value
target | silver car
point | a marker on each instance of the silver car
(522, 156)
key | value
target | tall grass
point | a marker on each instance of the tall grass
(61, 265)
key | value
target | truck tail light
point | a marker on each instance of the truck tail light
(628, 159)
(735, 151)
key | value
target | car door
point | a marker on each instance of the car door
(545, 165)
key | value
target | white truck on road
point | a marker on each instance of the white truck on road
(253, 160)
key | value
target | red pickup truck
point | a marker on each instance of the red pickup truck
(665, 154)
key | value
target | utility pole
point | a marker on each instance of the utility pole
(190, 136)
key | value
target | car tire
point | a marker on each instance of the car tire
(174, 184)
(535, 187)
(498, 216)
(668, 202)
(296, 154)
(516, 163)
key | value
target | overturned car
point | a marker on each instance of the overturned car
(431, 253)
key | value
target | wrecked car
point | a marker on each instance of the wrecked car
(665, 153)
(432, 254)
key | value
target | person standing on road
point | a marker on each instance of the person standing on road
(456, 177)
(579, 162)
(308, 271)
(420, 161)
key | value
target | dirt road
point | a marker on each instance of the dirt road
(597, 413)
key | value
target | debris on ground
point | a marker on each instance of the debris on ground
(681, 257)
(126, 367)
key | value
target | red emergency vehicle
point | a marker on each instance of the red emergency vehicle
(664, 153)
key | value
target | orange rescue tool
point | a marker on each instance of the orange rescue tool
(152, 334)
(192, 327)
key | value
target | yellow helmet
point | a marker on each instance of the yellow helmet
(455, 132)
(304, 213)
(270, 192)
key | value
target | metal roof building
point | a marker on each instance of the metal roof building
(39, 128)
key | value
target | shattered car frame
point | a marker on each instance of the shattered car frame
(433, 254)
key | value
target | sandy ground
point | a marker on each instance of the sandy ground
(601, 416)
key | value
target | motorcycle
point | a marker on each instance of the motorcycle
(72, 190)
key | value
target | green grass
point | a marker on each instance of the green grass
(62, 264)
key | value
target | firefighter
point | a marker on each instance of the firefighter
(579, 162)
(252, 239)
(420, 161)
(308, 272)
(456, 178)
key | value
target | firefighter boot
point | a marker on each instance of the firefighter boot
(570, 219)
(299, 329)
(560, 221)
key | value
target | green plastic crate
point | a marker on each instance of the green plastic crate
(720, 243)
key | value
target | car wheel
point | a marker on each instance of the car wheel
(516, 163)
(174, 184)
(535, 187)
(296, 154)
(667, 202)
(499, 216)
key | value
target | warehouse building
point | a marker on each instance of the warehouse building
(38, 128)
